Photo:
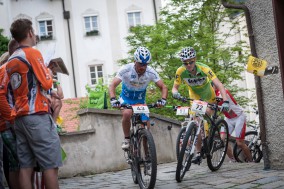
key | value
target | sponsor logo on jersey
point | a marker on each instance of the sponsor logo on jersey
(195, 81)
(211, 74)
(16, 80)
(177, 78)
(136, 84)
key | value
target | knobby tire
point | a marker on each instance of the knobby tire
(217, 146)
(178, 143)
(184, 159)
(147, 163)
(256, 153)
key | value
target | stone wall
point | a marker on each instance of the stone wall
(266, 45)
(96, 148)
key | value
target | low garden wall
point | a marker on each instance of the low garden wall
(96, 146)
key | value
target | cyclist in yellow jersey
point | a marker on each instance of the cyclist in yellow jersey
(197, 77)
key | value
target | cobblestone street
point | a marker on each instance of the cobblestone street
(230, 175)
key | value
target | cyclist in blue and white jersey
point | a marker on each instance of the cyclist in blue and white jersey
(135, 78)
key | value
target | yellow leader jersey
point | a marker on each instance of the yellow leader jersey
(199, 86)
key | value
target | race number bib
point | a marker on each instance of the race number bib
(182, 111)
(199, 106)
(140, 109)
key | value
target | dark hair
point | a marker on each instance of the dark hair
(20, 29)
(12, 46)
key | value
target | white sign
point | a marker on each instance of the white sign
(182, 110)
(199, 106)
(140, 109)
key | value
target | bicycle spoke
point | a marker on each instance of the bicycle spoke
(147, 164)
(184, 159)
(218, 145)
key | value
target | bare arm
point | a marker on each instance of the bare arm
(175, 88)
(163, 88)
(221, 88)
(115, 82)
(59, 91)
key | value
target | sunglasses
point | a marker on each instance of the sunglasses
(142, 64)
(186, 63)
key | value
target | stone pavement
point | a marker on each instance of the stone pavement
(230, 175)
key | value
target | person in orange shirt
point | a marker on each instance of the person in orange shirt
(11, 164)
(37, 138)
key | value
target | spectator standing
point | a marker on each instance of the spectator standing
(37, 138)
(7, 133)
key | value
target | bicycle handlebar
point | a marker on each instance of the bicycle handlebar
(128, 106)
(211, 105)
(184, 99)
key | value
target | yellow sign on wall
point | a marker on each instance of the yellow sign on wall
(256, 66)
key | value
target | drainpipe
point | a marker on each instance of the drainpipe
(257, 82)
(66, 15)
(155, 11)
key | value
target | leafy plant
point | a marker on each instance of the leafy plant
(92, 33)
(3, 43)
(196, 23)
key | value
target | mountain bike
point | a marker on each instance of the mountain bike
(141, 154)
(252, 140)
(214, 148)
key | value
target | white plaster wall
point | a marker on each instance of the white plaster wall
(106, 48)
(5, 16)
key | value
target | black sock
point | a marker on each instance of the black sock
(127, 137)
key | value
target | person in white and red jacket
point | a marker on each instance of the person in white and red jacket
(236, 120)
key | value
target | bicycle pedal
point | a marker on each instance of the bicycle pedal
(129, 161)
(199, 162)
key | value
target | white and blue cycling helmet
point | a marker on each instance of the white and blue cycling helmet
(142, 55)
(187, 53)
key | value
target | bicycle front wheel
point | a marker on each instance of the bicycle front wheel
(133, 159)
(184, 158)
(218, 145)
(179, 140)
(251, 140)
(147, 160)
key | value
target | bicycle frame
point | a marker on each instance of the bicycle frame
(142, 151)
(135, 127)
(198, 119)
(136, 124)
(213, 146)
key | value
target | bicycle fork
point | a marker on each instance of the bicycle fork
(195, 140)
(132, 151)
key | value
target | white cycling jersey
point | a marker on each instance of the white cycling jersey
(134, 87)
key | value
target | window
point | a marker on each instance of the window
(91, 25)
(96, 73)
(134, 19)
(45, 29)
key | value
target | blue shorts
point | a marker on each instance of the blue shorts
(144, 117)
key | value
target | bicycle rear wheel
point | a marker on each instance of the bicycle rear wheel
(217, 145)
(184, 158)
(251, 140)
(179, 140)
(147, 160)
